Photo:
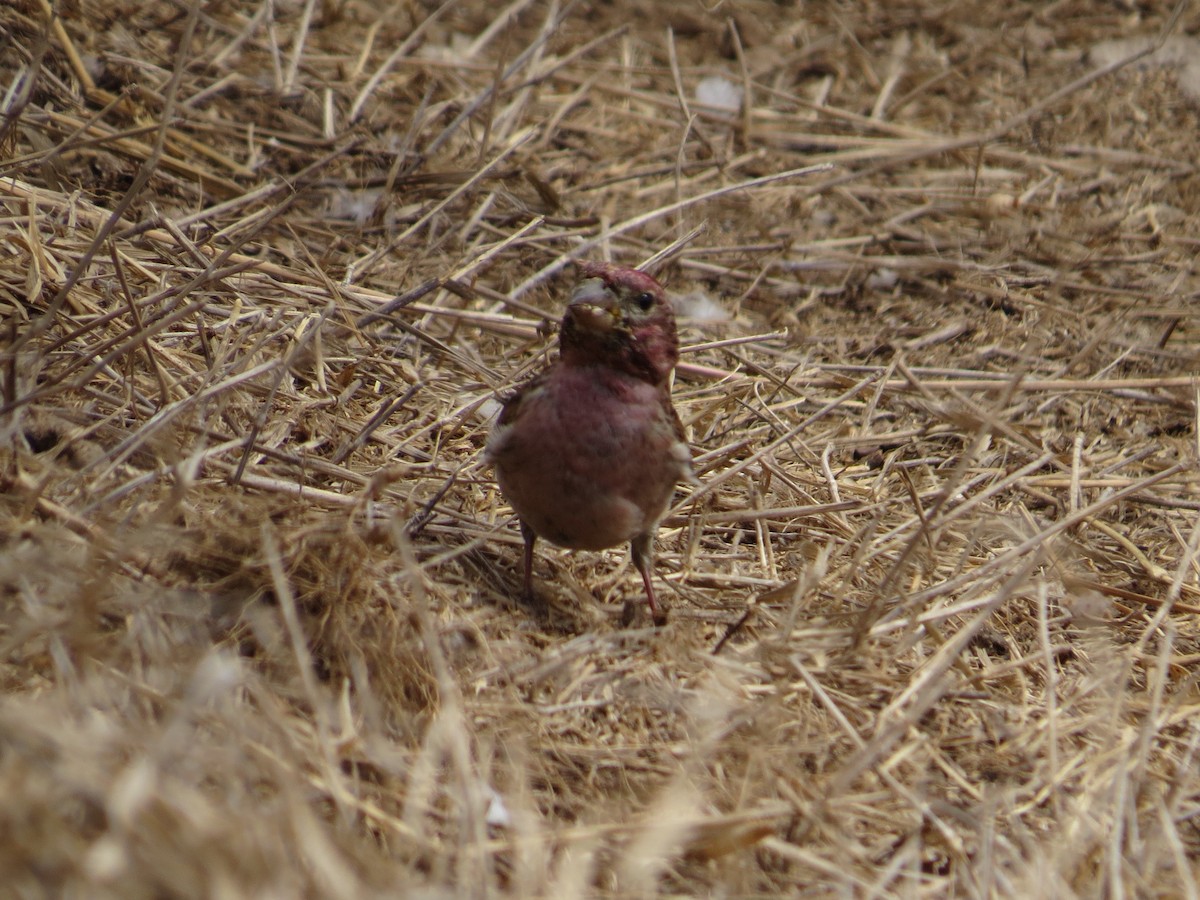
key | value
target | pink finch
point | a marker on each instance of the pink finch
(589, 452)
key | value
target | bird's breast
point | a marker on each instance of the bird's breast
(590, 458)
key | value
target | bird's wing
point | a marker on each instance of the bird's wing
(512, 401)
(681, 450)
(511, 404)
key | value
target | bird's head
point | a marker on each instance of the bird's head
(620, 317)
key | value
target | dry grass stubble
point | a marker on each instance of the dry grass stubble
(264, 269)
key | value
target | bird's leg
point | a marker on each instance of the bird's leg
(530, 540)
(642, 551)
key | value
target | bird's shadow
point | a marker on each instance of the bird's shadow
(559, 603)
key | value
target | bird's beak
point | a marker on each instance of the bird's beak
(595, 307)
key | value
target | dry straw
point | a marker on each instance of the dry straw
(265, 268)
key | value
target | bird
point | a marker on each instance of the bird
(589, 452)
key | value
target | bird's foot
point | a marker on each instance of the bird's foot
(635, 608)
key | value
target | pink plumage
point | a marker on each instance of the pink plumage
(589, 452)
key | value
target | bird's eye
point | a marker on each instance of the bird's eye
(644, 301)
